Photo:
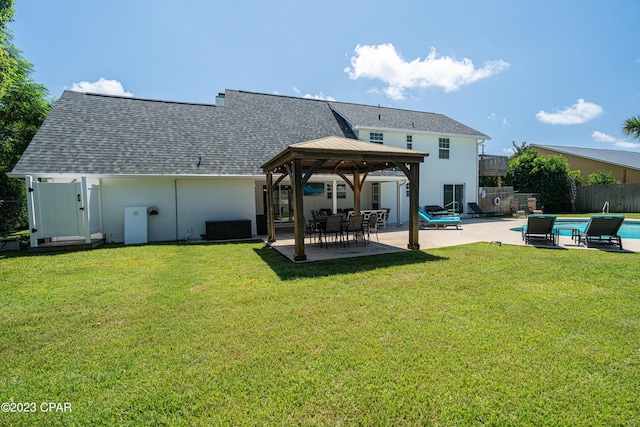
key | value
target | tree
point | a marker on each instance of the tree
(520, 149)
(600, 177)
(549, 176)
(23, 108)
(631, 127)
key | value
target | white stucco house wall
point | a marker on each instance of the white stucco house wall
(195, 163)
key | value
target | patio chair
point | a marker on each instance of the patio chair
(372, 226)
(355, 226)
(383, 215)
(311, 229)
(333, 225)
(539, 226)
(440, 222)
(601, 228)
(478, 212)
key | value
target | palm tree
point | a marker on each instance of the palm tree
(631, 127)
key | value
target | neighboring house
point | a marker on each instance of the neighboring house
(198, 162)
(624, 165)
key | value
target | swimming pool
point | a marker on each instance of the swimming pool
(629, 229)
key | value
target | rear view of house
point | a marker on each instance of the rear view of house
(177, 166)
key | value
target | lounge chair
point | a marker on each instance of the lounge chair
(478, 212)
(539, 226)
(443, 222)
(532, 206)
(601, 228)
(435, 210)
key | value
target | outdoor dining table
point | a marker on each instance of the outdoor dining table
(321, 221)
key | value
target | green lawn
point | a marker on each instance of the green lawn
(233, 334)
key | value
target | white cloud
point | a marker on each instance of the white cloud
(383, 62)
(619, 143)
(504, 123)
(578, 113)
(603, 137)
(108, 87)
(321, 96)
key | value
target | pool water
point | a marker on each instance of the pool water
(629, 229)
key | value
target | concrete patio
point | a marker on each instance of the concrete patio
(395, 239)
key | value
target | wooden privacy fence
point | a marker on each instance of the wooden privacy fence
(621, 197)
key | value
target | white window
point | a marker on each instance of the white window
(443, 148)
(410, 142)
(342, 191)
(376, 137)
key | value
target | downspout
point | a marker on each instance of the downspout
(477, 171)
(399, 187)
(175, 198)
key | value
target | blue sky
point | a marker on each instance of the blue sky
(546, 72)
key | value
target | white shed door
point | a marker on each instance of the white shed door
(59, 208)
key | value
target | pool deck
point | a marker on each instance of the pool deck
(472, 230)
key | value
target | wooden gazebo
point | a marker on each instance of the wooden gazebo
(350, 159)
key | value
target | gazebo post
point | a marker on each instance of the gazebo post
(271, 226)
(414, 205)
(356, 192)
(298, 212)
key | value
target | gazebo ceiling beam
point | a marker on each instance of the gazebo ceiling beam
(316, 166)
(279, 180)
(349, 183)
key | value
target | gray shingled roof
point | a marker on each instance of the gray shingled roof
(93, 134)
(628, 159)
(366, 116)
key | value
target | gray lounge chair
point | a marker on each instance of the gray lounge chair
(539, 226)
(435, 210)
(601, 228)
(478, 212)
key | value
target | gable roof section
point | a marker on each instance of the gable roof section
(103, 135)
(370, 117)
(627, 159)
(110, 135)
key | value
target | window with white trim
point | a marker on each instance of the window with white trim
(443, 148)
(410, 142)
(341, 188)
(376, 137)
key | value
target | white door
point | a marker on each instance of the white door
(453, 197)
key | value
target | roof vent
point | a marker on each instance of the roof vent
(220, 100)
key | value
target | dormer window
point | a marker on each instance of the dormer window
(376, 137)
